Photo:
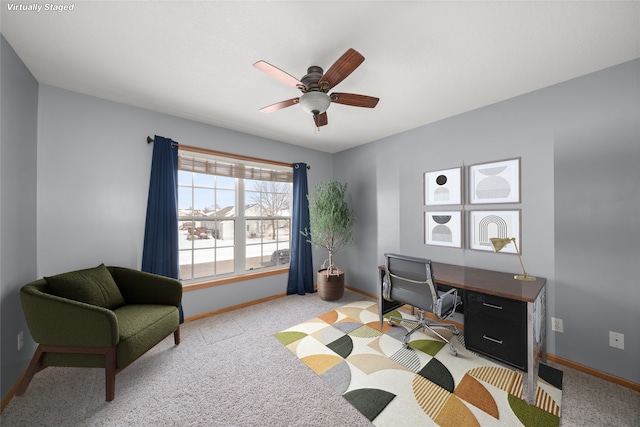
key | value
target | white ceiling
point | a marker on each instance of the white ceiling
(425, 60)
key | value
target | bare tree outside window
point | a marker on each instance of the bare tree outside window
(274, 200)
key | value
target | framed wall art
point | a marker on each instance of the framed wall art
(443, 187)
(443, 228)
(483, 225)
(495, 182)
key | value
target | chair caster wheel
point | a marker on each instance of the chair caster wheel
(453, 351)
(391, 323)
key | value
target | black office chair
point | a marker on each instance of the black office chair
(409, 280)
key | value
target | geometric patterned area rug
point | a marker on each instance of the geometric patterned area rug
(423, 385)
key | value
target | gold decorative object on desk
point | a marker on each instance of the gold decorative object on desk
(499, 243)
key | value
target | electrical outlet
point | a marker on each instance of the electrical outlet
(616, 340)
(20, 340)
(556, 325)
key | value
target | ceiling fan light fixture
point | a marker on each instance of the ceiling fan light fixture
(315, 102)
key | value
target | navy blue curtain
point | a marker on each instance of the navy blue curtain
(160, 250)
(300, 263)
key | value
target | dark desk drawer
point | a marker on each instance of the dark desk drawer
(490, 305)
(497, 338)
(496, 327)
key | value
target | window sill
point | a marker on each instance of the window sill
(233, 279)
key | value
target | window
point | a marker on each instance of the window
(217, 238)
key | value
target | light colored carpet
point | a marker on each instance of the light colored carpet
(229, 370)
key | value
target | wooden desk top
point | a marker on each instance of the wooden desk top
(487, 281)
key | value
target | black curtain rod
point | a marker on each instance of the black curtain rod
(175, 144)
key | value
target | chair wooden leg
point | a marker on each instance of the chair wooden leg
(110, 364)
(34, 366)
(110, 373)
(176, 336)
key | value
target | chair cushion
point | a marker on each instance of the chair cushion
(142, 326)
(93, 286)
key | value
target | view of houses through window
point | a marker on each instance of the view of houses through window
(219, 239)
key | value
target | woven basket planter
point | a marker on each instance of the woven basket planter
(330, 287)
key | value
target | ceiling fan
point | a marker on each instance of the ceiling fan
(316, 83)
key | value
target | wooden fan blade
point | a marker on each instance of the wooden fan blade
(321, 119)
(354, 100)
(280, 105)
(277, 73)
(344, 66)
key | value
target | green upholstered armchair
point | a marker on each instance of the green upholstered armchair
(103, 317)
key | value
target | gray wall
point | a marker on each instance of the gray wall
(597, 241)
(581, 138)
(18, 244)
(93, 180)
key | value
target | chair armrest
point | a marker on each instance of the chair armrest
(139, 287)
(447, 302)
(54, 320)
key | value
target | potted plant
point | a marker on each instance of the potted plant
(331, 221)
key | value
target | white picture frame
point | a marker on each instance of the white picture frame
(485, 224)
(495, 182)
(443, 228)
(443, 187)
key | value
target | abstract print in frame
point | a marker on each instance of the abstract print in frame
(483, 225)
(443, 228)
(495, 182)
(443, 187)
